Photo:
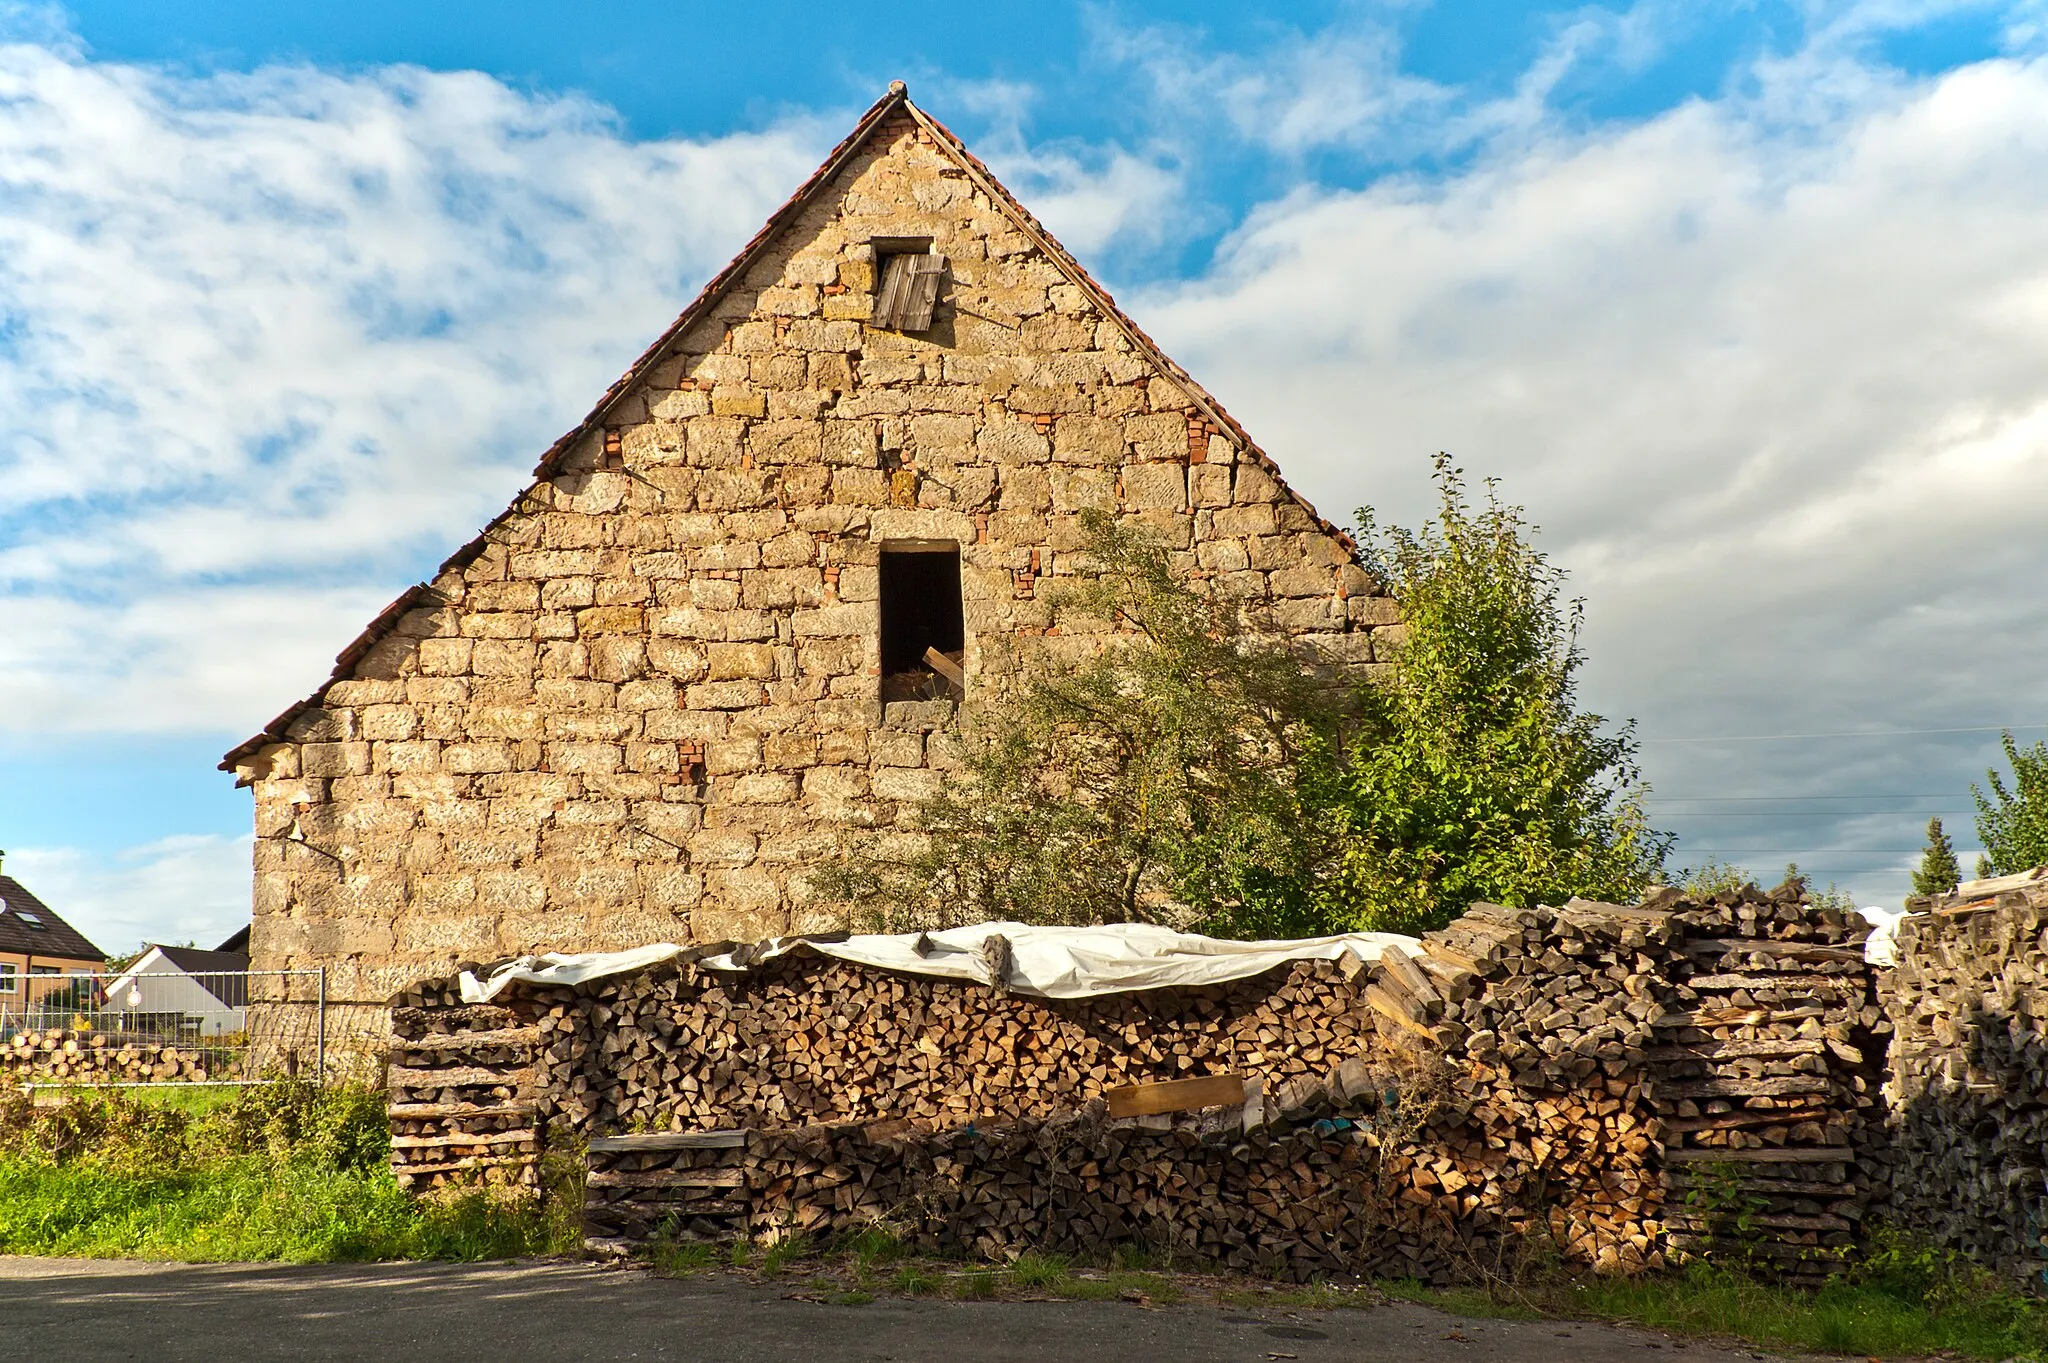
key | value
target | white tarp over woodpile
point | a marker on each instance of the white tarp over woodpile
(1054, 963)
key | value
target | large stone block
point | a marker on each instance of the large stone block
(335, 759)
(725, 695)
(728, 662)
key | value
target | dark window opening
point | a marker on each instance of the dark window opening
(921, 613)
(907, 277)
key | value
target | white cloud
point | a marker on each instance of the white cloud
(1775, 388)
(270, 342)
(1767, 367)
(184, 889)
(1341, 86)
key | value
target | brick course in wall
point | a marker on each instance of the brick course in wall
(646, 699)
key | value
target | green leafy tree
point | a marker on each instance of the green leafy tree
(1198, 767)
(2013, 823)
(1149, 777)
(1939, 871)
(1470, 772)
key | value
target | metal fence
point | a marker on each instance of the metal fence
(170, 1027)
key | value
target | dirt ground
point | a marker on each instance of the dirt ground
(117, 1309)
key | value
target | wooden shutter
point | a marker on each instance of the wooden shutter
(923, 293)
(909, 292)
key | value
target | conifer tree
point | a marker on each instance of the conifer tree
(1939, 872)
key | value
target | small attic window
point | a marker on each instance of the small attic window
(31, 919)
(907, 276)
(924, 635)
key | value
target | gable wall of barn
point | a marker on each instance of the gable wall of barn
(652, 698)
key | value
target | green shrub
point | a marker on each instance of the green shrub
(283, 1171)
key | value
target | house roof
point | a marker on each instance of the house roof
(896, 100)
(239, 942)
(55, 938)
(223, 974)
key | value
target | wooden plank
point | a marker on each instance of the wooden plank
(1176, 1095)
(890, 298)
(461, 1165)
(1805, 1154)
(1735, 1017)
(455, 1076)
(1395, 962)
(462, 1041)
(1720, 946)
(415, 1111)
(1733, 1121)
(1727, 1050)
(922, 292)
(493, 1138)
(669, 1140)
(1773, 1087)
(945, 667)
(1991, 885)
(667, 1178)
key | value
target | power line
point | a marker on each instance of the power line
(1866, 733)
(1803, 813)
(1876, 852)
(1732, 799)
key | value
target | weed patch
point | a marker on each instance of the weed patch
(280, 1172)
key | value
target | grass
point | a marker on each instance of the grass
(914, 1280)
(1043, 1271)
(979, 1285)
(1907, 1301)
(285, 1172)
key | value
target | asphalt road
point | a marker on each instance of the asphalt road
(224, 1313)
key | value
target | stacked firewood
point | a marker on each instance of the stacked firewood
(461, 1083)
(1551, 1013)
(806, 1038)
(1768, 1088)
(1969, 1072)
(60, 1056)
(1293, 1201)
(1530, 1080)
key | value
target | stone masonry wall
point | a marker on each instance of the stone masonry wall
(648, 697)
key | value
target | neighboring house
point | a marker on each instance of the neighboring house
(691, 657)
(209, 989)
(41, 956)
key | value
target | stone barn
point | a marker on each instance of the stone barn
(696, 650)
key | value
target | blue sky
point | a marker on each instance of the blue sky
(1748, 303)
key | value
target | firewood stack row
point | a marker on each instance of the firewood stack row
(59, 1056)
(1768, 1084)
(806, 1038)
(461, 1079)
(1969, 1071)
(1529, 1079)
(1296, 1199)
